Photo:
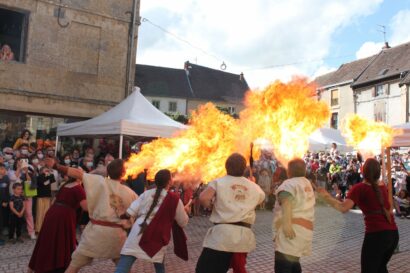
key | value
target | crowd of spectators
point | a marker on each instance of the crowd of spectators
(27, 186)
(337, 173)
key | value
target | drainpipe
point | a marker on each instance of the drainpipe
(407, 102)
(130, 52)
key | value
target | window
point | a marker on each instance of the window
(334, 101)
(380, 111)
(172, 106)
(13, 32)
(231, 109)
(156, 103)
(334, 120)
(379, 90)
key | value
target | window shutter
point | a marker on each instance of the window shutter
(374, 91)
(387, 88)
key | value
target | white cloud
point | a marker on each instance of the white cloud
(368, 49)
(247, 35)
(400, 24)
(400, 33)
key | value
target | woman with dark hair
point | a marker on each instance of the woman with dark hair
(156, 212)
(23, 139)
(381, 235)
(57, 238)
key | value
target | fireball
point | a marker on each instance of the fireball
(282, 114)
(369, 137)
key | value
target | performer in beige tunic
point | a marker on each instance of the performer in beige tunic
(293, 219)
(107, 200)
(235, 199)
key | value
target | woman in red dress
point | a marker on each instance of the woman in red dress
(381, 234)
(57, 238)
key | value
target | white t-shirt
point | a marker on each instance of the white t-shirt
(303, 202)
(235, 201)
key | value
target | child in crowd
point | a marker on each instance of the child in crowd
(402, 204)
(17, 208)
(4, 198)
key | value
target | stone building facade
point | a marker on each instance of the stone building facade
(70, 60)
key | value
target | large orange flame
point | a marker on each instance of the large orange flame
(286, 115)
(198, 152)
(283, 114)
(368, 136)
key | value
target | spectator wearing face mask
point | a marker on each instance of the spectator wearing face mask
(66, 160)
(23, 139)
(40, 154)
(102, 165)
(44, 181)
(24, 151)
(35, 163)
(87, 164)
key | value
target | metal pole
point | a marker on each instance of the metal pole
(389, 184)
(384, 166)
(56, 147)
(120, 149)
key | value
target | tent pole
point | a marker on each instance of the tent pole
(56, 147)
(389, 185)
(120, 149)
(384, 178)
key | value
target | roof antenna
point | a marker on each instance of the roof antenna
(382, 29)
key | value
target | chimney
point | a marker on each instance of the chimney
(386, 45)
(241, 77)
(187, 67)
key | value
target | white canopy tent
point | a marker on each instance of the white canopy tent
(323, 138)
(402, 140)
(134, 116)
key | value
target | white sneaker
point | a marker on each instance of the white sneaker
(33, 236)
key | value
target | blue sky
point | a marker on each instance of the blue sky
(268, 39)
(347, 40)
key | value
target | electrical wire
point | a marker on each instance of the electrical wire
(223, 65)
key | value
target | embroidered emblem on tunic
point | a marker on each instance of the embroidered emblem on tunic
(240, 192)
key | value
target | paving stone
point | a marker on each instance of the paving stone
(336, 247)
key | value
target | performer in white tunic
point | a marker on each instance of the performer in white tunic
(234, 199)
(293, 219)
(145, 209)
(107, 199)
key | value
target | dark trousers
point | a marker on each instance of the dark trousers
(378, 247)
(286, 263)
(15, 225)
(213, 261)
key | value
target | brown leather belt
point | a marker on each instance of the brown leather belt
(241, 224)
(303, 222)
(105, 223)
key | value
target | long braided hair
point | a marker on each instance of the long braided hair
(371, 173)
(162, 179)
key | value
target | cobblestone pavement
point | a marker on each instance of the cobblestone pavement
(336, 247)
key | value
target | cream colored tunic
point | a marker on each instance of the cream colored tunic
(139, 210)
(106, 200)
(303, 202)
(235, 201)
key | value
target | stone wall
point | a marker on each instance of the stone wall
(74, 66)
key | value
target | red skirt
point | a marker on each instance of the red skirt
(56, 241)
